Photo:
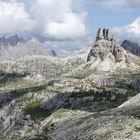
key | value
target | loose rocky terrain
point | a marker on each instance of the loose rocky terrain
(91, 95)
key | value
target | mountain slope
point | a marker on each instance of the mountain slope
(132, 47)
(109, 54)
(44, 97)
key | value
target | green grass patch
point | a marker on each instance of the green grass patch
(137, 129)
(4, 78)
(36, 112)
(118, 60)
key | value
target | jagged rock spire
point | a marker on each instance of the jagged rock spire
(104, 33)
(105, 45)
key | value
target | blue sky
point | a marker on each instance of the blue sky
(102, 16)
(69, 25)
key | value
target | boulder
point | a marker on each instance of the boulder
(136, 84)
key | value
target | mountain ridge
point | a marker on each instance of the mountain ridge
(132, 47)
(11, 40)
(46, 97)
(13, 47)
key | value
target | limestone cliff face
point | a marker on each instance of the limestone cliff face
(106, 54)
(106, 45)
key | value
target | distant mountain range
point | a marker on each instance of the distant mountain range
(132, 47)
(11, 40)
(14, 46)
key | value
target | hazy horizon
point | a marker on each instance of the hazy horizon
(70, 25)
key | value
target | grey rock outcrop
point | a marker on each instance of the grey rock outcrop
(104, 33)
(34, 66)
(4, 98)
(106, 45)
(12, 119)
(136, 84)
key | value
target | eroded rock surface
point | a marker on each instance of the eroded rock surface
(105, 44)
(49, 98)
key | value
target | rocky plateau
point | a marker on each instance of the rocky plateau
(93, 94)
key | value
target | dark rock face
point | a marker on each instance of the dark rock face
(136, 84)
(104, 34)
(104, 45)
(11, 40)
(132, 47)
(53, 53)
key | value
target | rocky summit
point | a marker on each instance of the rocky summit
(108, 52)
(106, 46)
(93, 94)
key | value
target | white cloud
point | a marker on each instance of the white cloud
(14, 18)
(71, 27)
(131, 31)
(57, 19)
(50, 18)
(64, 21)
